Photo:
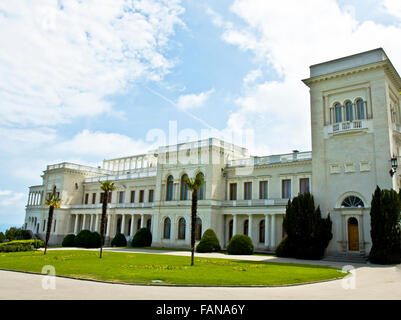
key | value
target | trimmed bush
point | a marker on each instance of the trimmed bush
(209, 242)
(142, 238)
(21, 245)
(119, 241)
(69, 240)
(87, 239)
(240, 244)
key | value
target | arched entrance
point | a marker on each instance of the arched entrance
(353, 234)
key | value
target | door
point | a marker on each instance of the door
(353, 234)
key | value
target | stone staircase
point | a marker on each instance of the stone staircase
(347, 257)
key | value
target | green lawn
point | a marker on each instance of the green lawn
(143, 268)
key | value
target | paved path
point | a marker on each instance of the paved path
(372, 282)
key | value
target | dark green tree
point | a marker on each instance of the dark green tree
(385, 227)
(308, 234)
(2, 237)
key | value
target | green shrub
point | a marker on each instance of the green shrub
(284, 248)
(240, 244)
(142, 238)
(69, 240)
(2, 237)
(119, 241)
(17, 234)
(21, 245)
(209, 242)
(87, 239)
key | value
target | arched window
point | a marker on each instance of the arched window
(149, 224)
(167, 228)
(352, 202)
(246, 226)
(360, 109)
(201, 191)
(198, 229)
(170, 186)
(181, 229)
(262, 231)
(184, 187)
(338, 110)
(230, 230)
(349, 111)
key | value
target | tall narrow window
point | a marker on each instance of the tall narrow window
(304, 185)
(149, 224)
(132, 196)
(286, 189)
(262, 231)
(86, 198)
(201, 191)
(338, 110)
(246, 226)
(184, 188)
(167, 227)
(101, 197)
(360, 109)
(170, 186)
(233, 191)
(349, 111)
(198, 229)
(121, 197)
(109, 198)
(181, 229)
(230, 230)
(141, 195)
(247, 190)
(151, 195)
(263, 190)
(93, 198)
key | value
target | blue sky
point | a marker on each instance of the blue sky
(82, 81)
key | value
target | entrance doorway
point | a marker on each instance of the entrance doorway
(353, 234)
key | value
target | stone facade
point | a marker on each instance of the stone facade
(356, 131)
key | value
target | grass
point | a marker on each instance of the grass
(139, 268)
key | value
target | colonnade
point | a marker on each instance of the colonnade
(35, 198)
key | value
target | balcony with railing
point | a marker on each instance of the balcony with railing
(255, 203)
(348, 126)
(113, 205)
(128, 175)
(280, 158)
(73, 166)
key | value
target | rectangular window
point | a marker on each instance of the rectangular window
(132, 196)
(93, 198)
(101, 197)
(233, 191)
(150, 195)
(141, 194)
(286, 189)
(121, 197)
(109, 199)
(263, 190)
(86, 198)
(303, 185)
(247, 190)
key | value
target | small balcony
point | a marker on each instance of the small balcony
(348, 126)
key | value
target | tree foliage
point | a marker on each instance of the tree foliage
(385, 227)
(308, 234)
(17, 234)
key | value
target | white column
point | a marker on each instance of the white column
(123, 224)
(76, 224)
(235, 225)
(84, 222)
(132, 225)
(91, 222)
(108, 225)
(273, 235)
(142, 220)
(250, 223)
(267, 226)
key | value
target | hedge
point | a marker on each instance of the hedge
(119, 240)
(240, 244)
(69, 240)
(21, 245)
(142, 238)
(209, 242)
(87, 239)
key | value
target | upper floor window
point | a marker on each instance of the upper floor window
(360, 109)
(286, 189)
(132, 196)
(263, 190)
(141, 195)
(151, 195)
(93, 198)
(184, 188)
(247, 190)
(121, 197)
(304, 185)
(349, 111)
(338, 113)
(170, 187)
(233, 191)
(86, 198)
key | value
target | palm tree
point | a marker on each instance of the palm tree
(107, 187)
(53, 202)
(194, 185)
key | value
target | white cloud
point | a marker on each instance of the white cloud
(10, 198)
(62, 59)
(193, 101)
(289, 36)
(252, 76)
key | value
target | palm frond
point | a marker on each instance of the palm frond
(107, 186)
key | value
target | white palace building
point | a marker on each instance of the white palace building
(356, 140)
